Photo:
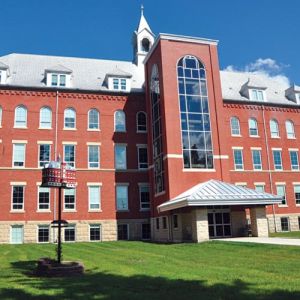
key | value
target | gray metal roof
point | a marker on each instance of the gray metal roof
(3, 66)
(232, 83)
(214, 192)
(28, 70)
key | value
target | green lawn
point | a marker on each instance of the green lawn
(136, 270)
(289, 234)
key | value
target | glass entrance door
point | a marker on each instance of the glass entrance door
(219, 224)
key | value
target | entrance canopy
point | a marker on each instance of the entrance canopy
(214, 192)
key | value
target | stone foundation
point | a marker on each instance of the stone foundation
(293, 222)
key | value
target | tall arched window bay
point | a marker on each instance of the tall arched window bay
(194, 114)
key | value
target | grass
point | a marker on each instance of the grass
(288, 234)
(136, 270)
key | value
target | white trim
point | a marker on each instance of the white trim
(94, 183)
(255, 148)
(44, 142)
(221, 156)
(259, 183)
(240, 183)
(198, 170)
(277, 149)
(93, 144)
(19, 141)
(280, 183)
(293, 149)
(295, 183)
(18, 183)
(69, 143)
(172, 156)
(237, 148)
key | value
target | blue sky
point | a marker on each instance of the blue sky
(256, 35)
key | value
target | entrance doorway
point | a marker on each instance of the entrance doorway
(219, 223)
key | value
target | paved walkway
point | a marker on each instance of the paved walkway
(260, 240)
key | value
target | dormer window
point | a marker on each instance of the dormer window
(58, 80)
(58, 76)
(119, 84)
(118, 80)
(257, 95)
(3, 73)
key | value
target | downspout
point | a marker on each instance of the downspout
(269, 164)
(55, 156)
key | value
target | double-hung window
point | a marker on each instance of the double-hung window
(119, 84)
(253, 129)
(18, 197)
(238, 159)
(142, 157)
(122, 197)
(290, 129)
(69, 155)
(277, 159)
(43, 198)
(144, 197)
(235, 126)
(69, 118)
(274, 129)
(256, 159)
(44, 154)
(141, 122)
(93, 118)
(94, 198)
(280, 189)
(297, 194)
(58, 80)
(257, 95)
(45, 118)
(19, 155)
(93, 156)
(120, 121)
(69, 199)
(21, 117)
(294, 160)
(120, 157)
(70, 233)
(43, 233)
(95, 232)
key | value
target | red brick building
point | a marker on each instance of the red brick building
(164, 146)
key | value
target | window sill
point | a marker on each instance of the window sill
(258, 170)
(275, 137)
(45, 128)
(281, 170)
(143, 169)
(198, 170)
(94, 210)
(295, 170)
(282, 205)
(16, 127)
(236, 135)
(69, 129)
(120, 131)
(91, 168)
(125, 210)
(15, 211)
(90, 129)
(15, 167)
(141, 131)
(291, 138)
(254, 136)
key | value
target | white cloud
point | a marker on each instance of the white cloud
(267, 67)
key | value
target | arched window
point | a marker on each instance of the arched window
(253, 130)
(141, 122)
(235, 126)
(290, 129)
(194, 113)
(145, 45)
(93, 117)
(21, 116)
(274, 128)
(45, 117)
(120, 122)
(156, 124)
(70, 118)
(0, 116)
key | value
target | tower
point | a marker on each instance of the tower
(142, 40)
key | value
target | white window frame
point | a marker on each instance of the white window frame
(295, 187)
(282, 184)
(141, 186)
(70, 226)
(73, 164)
(124, 207)
(123, 124)
(262, 185)
(14, 153)
(294, 167)
(59, 80)
(142, 165)
(38, 231)
(48, 123)
(16, 120)
(12, 198)
(234, 162)
(11, 232)
(64, 201)
(69, 109)
(38, 199)
(281, 163)
(90, 162)
(290, 134)
(256, 167)
(137, 122)
(89, 121)
(39, 154)
(274, 129)
(119, 84)
(288, 223)
(252, 128)
(233, 129)
(256, 93)
(124, 164)
(89, 197)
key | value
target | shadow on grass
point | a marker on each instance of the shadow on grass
(96, 285)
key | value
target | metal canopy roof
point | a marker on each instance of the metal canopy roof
(214, 192)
